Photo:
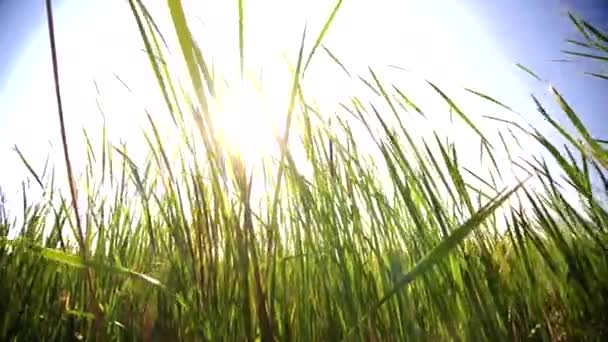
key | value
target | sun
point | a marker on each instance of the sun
(247, 122)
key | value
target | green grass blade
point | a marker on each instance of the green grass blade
(29, 167)
(336, 60)
(489, 98)
(528, 71)
(586, 55)
(464, 117)
(322, 34)
(241, 37)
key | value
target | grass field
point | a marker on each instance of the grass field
(325, 240)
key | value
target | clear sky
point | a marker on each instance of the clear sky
(458, 42)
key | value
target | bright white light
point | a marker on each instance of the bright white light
(247, 122)
(98, 39)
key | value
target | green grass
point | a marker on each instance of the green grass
(405, 243)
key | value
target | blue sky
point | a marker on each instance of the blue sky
(470, 42)
(533, 32)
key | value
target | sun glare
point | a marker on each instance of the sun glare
(247, 122)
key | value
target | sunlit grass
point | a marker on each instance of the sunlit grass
(274, 219)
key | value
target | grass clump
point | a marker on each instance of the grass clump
(405, 243)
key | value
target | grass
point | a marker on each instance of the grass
(405, 243)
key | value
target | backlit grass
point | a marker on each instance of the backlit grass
(322, 240)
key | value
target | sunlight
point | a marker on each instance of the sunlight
(247, 122)
(247, 114)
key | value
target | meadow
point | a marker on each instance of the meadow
(325, 240)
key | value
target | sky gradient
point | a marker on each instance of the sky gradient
(473, 43)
